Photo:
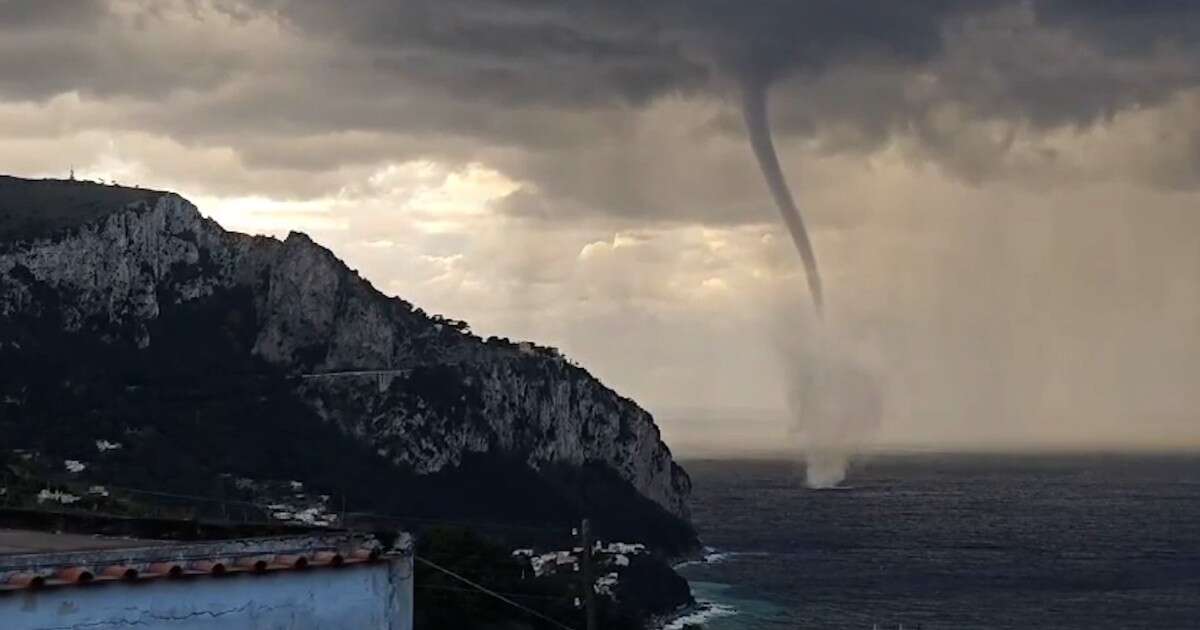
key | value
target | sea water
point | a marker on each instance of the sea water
(951, 541)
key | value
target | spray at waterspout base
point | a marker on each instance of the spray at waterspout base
(836, 398)
(825, 469)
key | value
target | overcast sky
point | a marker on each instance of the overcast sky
(1004, 196)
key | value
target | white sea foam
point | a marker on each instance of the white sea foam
(712, 556)
(705, 611)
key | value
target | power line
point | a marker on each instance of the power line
(173, 495)
(267, 509)
(494, 594)
(358, 372)
(431, 587)
(462, 523)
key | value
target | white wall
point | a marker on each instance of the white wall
(366, 597)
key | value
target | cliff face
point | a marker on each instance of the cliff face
(446, 394)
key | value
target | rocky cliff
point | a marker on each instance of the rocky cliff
(118, 268)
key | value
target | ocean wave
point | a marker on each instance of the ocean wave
(705, 611)
(718, 556)
(712, 556)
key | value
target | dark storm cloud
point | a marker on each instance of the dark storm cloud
(48, 47)
(590, 54)
(18, 14)
(570, 54)
(540, 88)
(851, 64)
(1121, 54)
(1126, 26)
(594, 52)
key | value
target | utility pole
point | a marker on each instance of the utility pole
(589, 576)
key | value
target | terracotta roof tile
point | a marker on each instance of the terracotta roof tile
(176, 560)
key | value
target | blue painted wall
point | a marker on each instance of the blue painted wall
(366, 597)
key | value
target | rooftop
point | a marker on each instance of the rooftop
(22, 541)
(32, 559)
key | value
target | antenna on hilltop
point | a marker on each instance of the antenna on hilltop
(72, 172)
